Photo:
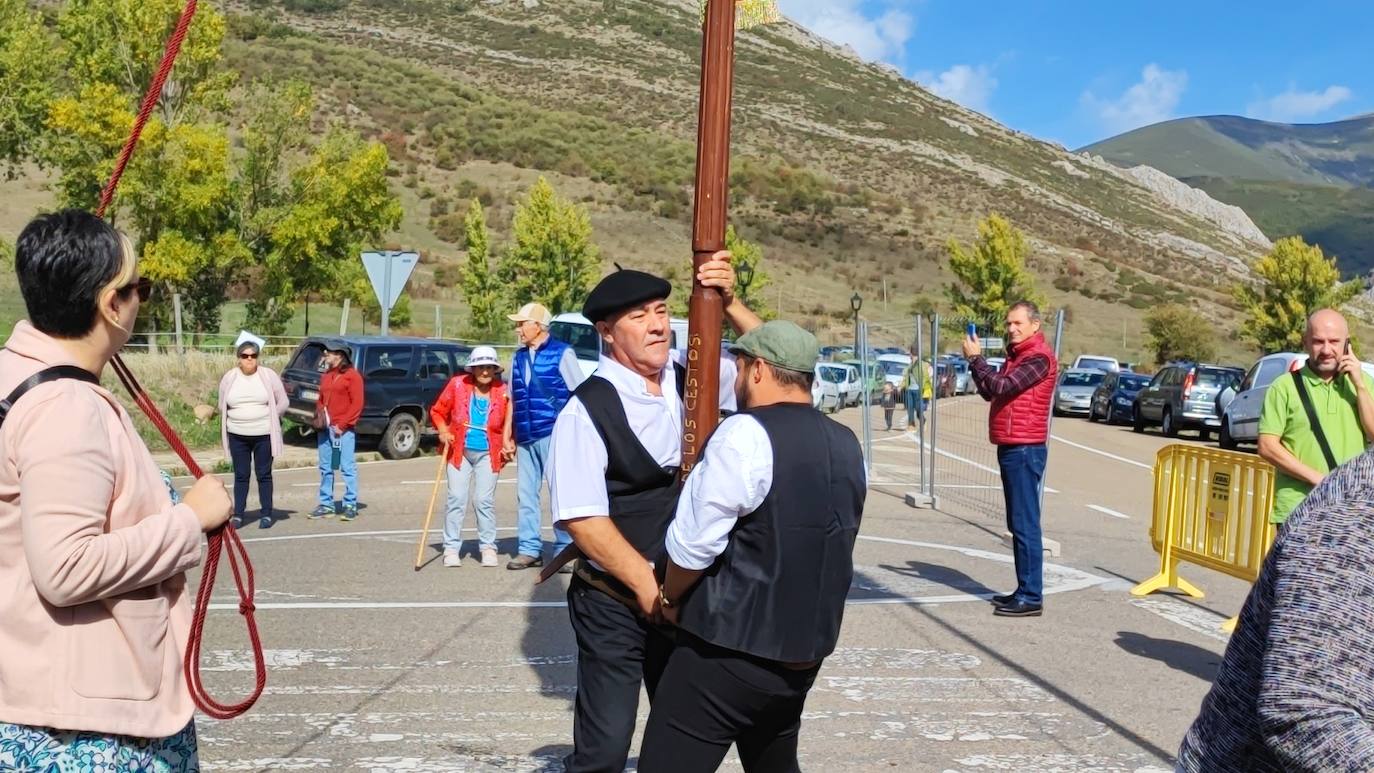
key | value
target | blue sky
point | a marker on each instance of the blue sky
(1075, 72)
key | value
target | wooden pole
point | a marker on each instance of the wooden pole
(176, 310)
(701, 405)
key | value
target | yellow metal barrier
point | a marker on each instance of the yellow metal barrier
(1211, 508)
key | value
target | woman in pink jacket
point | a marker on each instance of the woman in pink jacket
(93, 553)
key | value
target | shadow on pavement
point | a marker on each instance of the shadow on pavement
(1180, 656)
(944, 576)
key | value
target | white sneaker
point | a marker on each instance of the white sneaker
(488, 556)
(451, 558)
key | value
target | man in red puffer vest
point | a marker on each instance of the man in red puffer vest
(1019, 425)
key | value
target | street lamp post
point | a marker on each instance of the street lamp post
(744, 276)
(856, 302)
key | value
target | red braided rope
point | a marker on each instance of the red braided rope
(224, 538)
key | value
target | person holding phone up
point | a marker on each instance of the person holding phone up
(1318, 417)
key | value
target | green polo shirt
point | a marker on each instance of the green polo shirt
(1283, 415)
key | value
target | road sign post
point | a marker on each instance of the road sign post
(388, 272)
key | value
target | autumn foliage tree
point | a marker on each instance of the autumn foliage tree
(1295, 280)
(991, 274)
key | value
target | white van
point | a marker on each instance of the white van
(893, 367)
(1097, 362)
(578, 332)
(835, 386)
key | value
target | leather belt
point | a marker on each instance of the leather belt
(606, 584)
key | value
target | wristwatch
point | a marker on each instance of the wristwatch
(663, 597)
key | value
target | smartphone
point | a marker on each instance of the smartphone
(972, 331)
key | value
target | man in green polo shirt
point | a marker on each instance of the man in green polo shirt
(1343, 399)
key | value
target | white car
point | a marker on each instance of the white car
(1095, 362)
(893, 367)
(835, 386)
(1240, 407)
(578, 332)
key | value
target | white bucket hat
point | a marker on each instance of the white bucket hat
(482, 355)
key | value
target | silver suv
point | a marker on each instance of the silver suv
(1183, 396)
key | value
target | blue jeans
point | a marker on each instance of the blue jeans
(1023, 468)
(476, 463)
(530, 459)
(348, 467)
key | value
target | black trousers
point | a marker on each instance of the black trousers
(616, 651)
(251, 455)
(710, 698)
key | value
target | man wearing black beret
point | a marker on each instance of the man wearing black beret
(613, 477)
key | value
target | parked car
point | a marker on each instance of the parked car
(1114, 398)
(402, 377)
(893, 367)
(1182, 396)
(874, 383)
(1074, 392)
(578, 332)
(829, 353)
(997, 363)
(1240, 406)
(1097, 362)
(945, 379)
(963, 375)
(840, 385)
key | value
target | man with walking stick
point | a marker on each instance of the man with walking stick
(613, 477)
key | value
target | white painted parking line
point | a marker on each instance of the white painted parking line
(1195, 619)
(1099, 452)
(1106, 511)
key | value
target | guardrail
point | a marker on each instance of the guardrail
(1211, 509)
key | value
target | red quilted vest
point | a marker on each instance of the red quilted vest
(1024, 419)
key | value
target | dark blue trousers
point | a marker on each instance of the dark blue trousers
(1023, 469)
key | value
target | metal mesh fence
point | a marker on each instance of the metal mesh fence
(937, 446)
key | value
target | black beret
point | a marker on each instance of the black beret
(622, 290)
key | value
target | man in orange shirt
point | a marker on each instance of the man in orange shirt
(339, 406)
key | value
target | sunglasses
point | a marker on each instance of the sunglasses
(248, 356)
(143, 285)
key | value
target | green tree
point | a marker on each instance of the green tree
(552, 259)
(1295, 280)
(747, 252)
(991, 275)
(28, 69)
(336, 203)
(480, 287)
(1176, 332)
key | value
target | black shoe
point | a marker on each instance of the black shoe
(1018, 609)
(236, 522)
(265, 522)
(1004, 599)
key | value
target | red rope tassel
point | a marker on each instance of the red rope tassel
(224, 538)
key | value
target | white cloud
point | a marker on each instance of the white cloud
(1153, 99)
(969, 85)
(881, 37)
(1294, 105)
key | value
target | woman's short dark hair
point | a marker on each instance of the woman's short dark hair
(64, 261)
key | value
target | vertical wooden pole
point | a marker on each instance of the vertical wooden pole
(706, 313)
(176, 310)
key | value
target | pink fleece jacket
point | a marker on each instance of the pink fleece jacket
(93, 558)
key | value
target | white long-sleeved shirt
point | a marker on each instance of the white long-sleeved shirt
(731, 481)
(577, 456)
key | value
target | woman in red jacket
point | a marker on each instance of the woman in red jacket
(473, 417)
(337, 412)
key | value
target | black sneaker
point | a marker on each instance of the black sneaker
(323, 511)
(265, 522)
(1018, 609)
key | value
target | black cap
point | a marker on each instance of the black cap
(622, 290)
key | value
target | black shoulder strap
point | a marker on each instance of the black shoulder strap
(55, 373)
(1312, 419)
(680, 376)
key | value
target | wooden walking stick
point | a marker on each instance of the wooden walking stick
(705, 316)
(429, 513)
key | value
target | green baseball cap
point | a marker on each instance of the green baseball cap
(782, 344)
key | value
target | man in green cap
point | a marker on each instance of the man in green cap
(761, 553)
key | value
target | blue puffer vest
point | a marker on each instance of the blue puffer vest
(537, 404)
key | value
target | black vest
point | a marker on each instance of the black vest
(778, 590)
(642, 495)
